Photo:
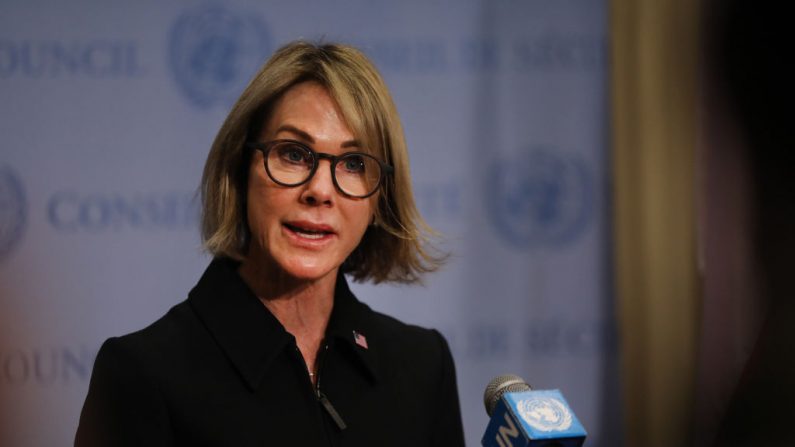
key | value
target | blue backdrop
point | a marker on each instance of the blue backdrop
(107, 114)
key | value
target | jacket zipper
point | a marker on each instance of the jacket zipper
(324, 401)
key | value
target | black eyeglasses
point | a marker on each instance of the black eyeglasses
(292, 163)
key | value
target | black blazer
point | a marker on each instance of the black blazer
(220, 370)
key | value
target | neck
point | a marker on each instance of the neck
(294, 301)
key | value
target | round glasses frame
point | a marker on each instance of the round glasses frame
(266, 147)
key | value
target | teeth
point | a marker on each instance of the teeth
(310, 235)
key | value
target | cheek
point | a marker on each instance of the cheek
(262, 206)
(373, 203)
(361, 218)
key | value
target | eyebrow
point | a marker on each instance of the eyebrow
(308, 138)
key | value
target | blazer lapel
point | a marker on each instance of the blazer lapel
(348, 323)
(250, 336)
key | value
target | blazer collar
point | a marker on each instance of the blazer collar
(246, 331)
(349, 325)
(252, 337)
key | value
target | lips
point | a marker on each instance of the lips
(309, 230)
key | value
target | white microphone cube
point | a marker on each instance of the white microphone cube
(538, 418)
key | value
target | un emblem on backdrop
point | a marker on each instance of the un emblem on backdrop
(12, 210)
(214, 52)
(540, 197)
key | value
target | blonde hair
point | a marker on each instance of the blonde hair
(397, 247)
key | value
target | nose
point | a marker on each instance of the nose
(320, 190)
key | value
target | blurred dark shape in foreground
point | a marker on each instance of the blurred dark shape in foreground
(748, 50)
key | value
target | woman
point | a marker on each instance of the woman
(306, 180)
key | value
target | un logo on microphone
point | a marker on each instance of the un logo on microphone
(214, 52)
(540, 198)
(12, 210)
(545, 413)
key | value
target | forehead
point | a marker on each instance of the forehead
(307, 106)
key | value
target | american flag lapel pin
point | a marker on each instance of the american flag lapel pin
(360, 339)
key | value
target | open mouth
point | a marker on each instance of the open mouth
(307, 232)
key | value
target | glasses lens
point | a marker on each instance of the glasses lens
(289, 163)
(358, 175)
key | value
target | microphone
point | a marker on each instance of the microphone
(523, 417)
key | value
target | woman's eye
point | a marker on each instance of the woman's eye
(294, 155)
(354, 164)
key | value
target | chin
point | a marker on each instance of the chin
(307, 271)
